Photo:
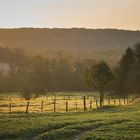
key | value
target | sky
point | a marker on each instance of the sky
(121, 14)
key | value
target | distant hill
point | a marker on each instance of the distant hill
(76, 43)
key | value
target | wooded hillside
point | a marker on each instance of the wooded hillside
(108, 44)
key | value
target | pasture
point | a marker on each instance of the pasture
(56, 102)
(108, 123)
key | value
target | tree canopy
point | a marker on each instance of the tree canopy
(99, 78)
(127, 73)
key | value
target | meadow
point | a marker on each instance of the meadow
(56, 102)
(109, 123)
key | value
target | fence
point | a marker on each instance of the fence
(57, 104)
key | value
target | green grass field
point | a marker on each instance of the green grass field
(45, 104)
(109, 123)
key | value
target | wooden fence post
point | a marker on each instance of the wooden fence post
(84, 103)
(10, 108)
(103, 102)
(54, 105)
(124, 101)
(42, 107)
(27, 107)
(119, 101)
(97, 103)
(114, 101)
(66, 106)
(90, 104)
(109, 102)
(76, 106)
(127, 101)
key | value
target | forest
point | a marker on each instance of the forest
(37, 75)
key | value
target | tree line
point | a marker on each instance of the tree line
(121, 81)
(35, 75)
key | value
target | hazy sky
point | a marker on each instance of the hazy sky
(123, 14)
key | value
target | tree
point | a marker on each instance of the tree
(127, 74)
(99, 78)
(34, 78)
(2, 82)
(17, 61)
(135, 71)
(122, 84)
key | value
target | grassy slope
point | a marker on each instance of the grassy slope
(108, 124)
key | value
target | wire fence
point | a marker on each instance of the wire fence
(57, 104)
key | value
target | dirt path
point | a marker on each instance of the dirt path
(81, 134)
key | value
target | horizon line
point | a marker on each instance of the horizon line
(121, 29)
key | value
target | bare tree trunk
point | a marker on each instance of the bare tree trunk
(101, 98)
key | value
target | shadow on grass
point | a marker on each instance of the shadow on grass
(115, 109)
